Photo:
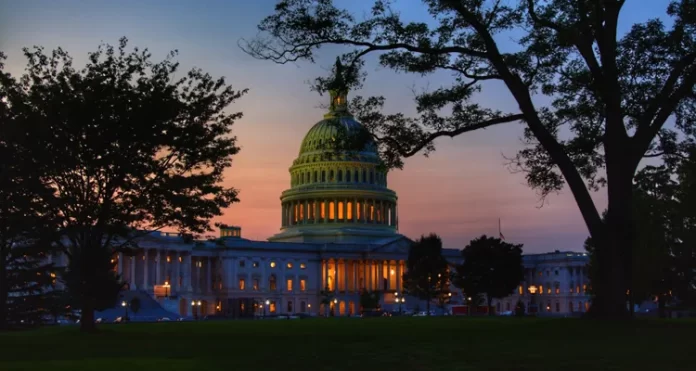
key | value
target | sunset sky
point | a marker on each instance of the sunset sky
(459, 192)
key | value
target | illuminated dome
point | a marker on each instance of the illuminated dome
(338, 193)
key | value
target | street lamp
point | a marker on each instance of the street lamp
(400, 300)
(268, 303)
(309, 307)
(124, 304)
(196, 307)
(166, 289)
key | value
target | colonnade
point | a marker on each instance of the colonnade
(177, 270)
(347, 275)
(338, 175)
(326, 210)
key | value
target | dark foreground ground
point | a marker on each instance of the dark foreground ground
(360, 344)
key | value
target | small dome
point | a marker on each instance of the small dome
(321, 136)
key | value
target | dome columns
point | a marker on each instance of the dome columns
(340, 209)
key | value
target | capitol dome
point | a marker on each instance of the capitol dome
(338, 186)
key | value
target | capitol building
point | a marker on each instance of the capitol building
(338, 237)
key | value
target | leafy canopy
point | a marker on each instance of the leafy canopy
(125, 146)
(491, 266)
(427, 272)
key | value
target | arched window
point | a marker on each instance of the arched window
(340, 175)
(364, 177)
(372, 177)
(347, 176)
(315, 176)
(331, 175)
(323, 176)
(355, 178)
(272, 282)
(302, 179)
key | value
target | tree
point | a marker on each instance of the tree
(369, 300)
(520, 309)
(491, 266)
(664, 255)
(135, 305)
(611, 95)
(132, 149)
(326, 295)
(427, 274)
(27, 225)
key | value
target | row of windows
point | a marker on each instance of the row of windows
(272, 264)
(308, 177)
(272, 284)
(273, 307)
(571, 270)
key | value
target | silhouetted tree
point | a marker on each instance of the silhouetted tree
(369, 300)
(665, 253)
(135, 305)
(27, 220)
(491, 266)
(427, 274)
(610, 94)
(131, 148)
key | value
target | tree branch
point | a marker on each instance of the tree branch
(449, 133)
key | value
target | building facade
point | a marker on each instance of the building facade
(554, 284)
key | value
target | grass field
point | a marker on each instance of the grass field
(360, 344)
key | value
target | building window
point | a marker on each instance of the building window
(272, 306)
(289, 284)
(289, 306)
(556, 272)
(180, 259)
(323, 176)
(558, 307)
(241, 283)
(303, 285)
(521, 290)
(241, 263)
(570, 307)
(303, 307)
(303, 266)
(541, 289)
(577, 289)
(340, 175)
(289, 265)
(273, 264)
(272, 282)
(255, 264)
(348, 176)
(169, 259)
(331, 175)
(256, 284)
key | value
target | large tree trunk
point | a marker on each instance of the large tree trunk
(615, 243)
(87, 318)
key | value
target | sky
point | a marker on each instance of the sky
(459, 192)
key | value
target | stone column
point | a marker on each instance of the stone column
(398, 276)
(133, 286)
(209, 280)
(316, 211)
(355, 210)
(119, 264)
(335, 278)
(282, 213)
(325, 207)
(335, 210)
(146, 262)
(346, 287)
(187, 272)
(356, 264)
(177, 271)
(306, 212)
(325, 263)
(158, 264)
(368, 278)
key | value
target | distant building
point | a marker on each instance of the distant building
(554, 283)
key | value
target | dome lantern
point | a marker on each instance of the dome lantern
(338, 91)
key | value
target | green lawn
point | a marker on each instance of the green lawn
(360, 344)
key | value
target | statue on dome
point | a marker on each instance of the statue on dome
(338, 88)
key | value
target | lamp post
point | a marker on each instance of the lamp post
(469, 304)
(166, 289)
(400, 301)
(334, 307)
(124, 304)
(196, 305)
(309, 308)
(268, 303)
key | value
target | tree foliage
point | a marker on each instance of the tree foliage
(491, 266)
(125, 146)
(611, 95)
(369, 300)
(427, 273)
(665, 254)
